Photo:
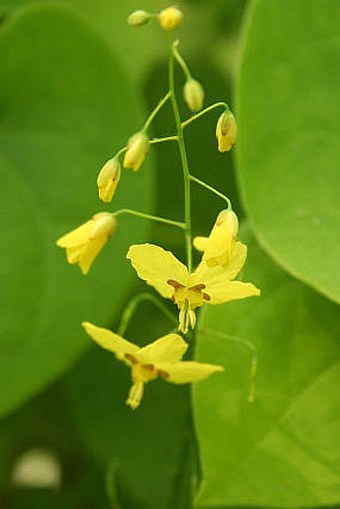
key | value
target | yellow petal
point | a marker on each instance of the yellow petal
(169, 348)
(200, 243)
(221, 241)
(221, 290)
(111, 341)
(203, 273)
(76, 237)
(156, 266)
(89, 253)
(188, 371)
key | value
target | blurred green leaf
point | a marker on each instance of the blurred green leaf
(283, 449)
(65, 108)
(289, 123)
(150, 448)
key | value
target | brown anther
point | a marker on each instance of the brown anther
(197, 288)
(149, 367)
(175, 284)
(130, 358)
(162, 373)
(206, 296)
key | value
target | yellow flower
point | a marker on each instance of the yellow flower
(85, 242)
(171, 278)
(162, 358)
(218, 248)
(226, 131)
(170, 18)
(108, 180)
(137, 148)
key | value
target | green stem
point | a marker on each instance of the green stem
(155, 111)
(203, 112)
(184, 159)
(149, 216)
(121, 151)
(161, 140)
(211, 189)
(132, 306)
(181, 61)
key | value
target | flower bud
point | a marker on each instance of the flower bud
(108, 180)
(193, 94)
(229, 219)
(104, 225)
(226, 131)
(137, 148)
(138, 18)
(170, 18)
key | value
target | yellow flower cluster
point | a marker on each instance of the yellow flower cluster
(212, 282)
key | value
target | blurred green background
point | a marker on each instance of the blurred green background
(75, 82)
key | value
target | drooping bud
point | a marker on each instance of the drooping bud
(226, 131)
(193, 94)
(108, 179)
(220, 244)
(229, 218)
(138, 18)
(104, 226)
(170, 18)
(137, 148)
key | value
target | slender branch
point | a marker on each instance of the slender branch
(203, 112)
(156, 110)
(181, 60)
(211, 189)
(184, 159)
(132, 306)
(149, 216)
(121, 151)
(161, 140)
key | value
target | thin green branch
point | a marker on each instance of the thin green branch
(183, 155)
(155, 111)
(181, 60)
(211, 189)
(149, 216)
(154, 141)
(132, 306)
(203, 112)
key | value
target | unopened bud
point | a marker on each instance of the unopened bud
(226, 131)
(137, 148)
(104, 225)
(108, 180)
(170, 18)
(138, 18)
(193, 94)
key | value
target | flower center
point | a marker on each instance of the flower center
(141, 374)
(187, 299)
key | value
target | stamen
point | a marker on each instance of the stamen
(149, 367)
(130, 358)
(206, 296)
(162, 373)
(175, 284)
(197, 288)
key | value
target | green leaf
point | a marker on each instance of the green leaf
(149, 447)
(289, 126)
(283, 449)
(65, 109)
